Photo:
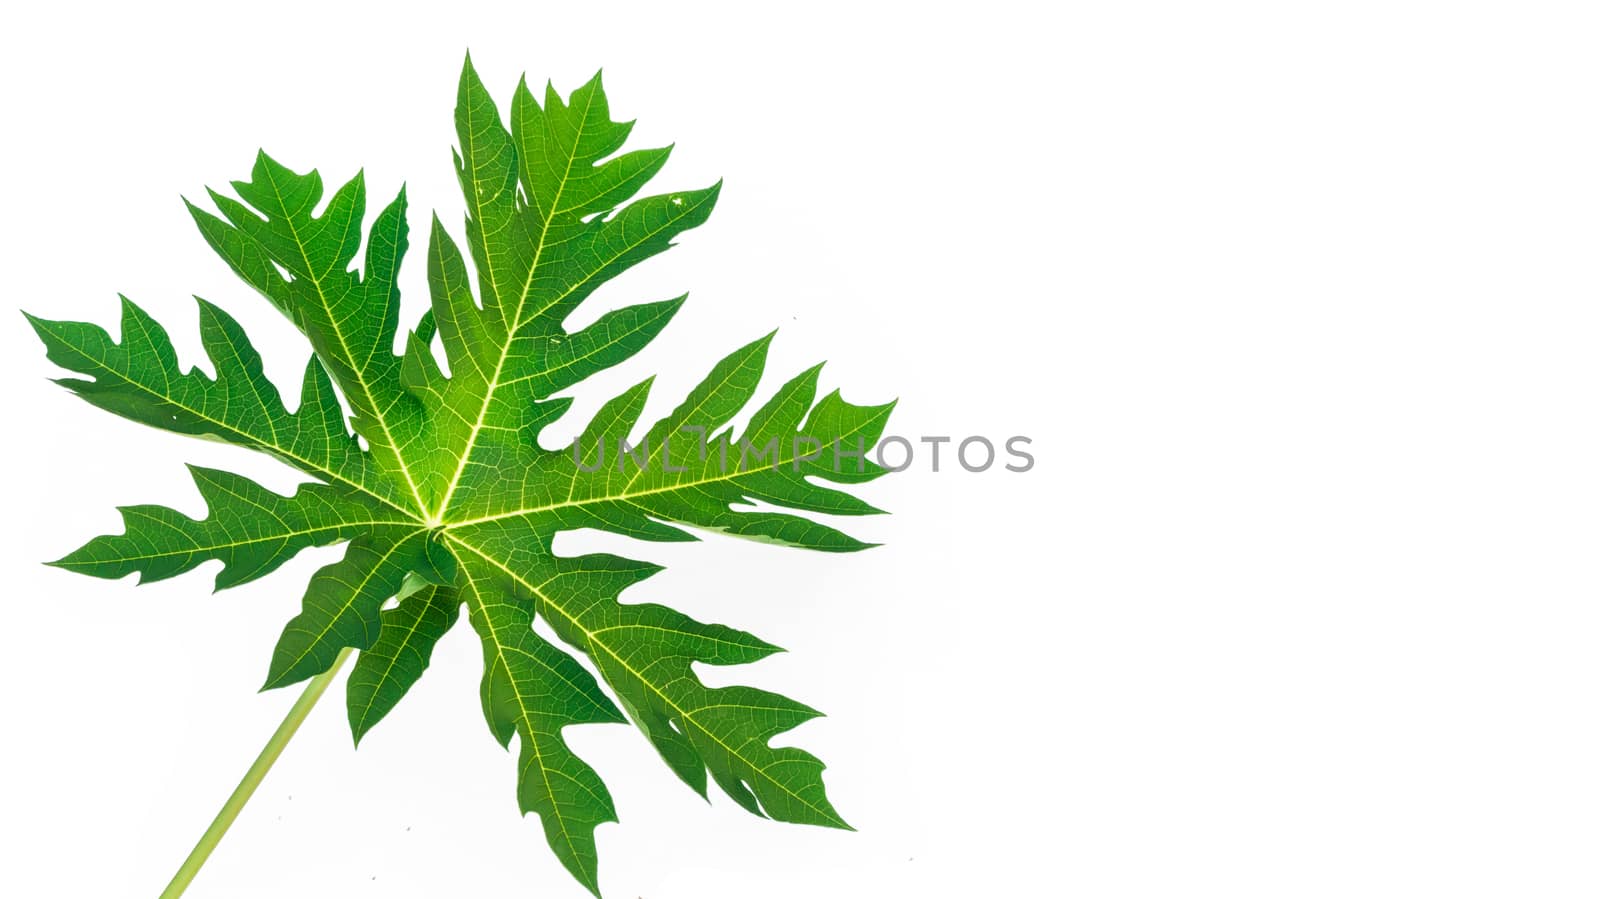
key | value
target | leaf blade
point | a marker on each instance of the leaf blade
(385, 672)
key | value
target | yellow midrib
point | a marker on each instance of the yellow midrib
(405, 641)
(522, 707)
(680, 485)
(344, 346)
(478, 427)
(309, 465)
(493, 383)
(283, 535)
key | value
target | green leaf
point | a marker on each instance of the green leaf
(350, 319)
(139, 378)
(343, 601)
(250, 528)
(388, 668)
(533, 690)
(443, 494)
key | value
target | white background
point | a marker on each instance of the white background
(1297, 301)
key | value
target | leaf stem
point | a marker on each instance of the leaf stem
(252, 779)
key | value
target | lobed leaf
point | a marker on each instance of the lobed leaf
(386, 670)
(139, 378)
(250, 528)
(443, 495)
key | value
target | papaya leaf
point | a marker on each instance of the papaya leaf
(437, 484)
